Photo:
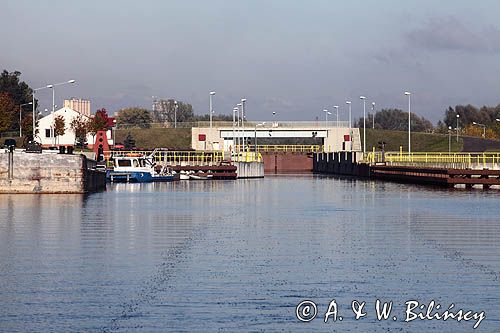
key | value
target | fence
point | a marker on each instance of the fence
(283, 148)
(450, 160)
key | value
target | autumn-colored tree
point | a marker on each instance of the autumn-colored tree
(58, 126)
(7, 111)
(80, 126)
(99, 122)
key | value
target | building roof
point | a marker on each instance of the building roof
(64, 111)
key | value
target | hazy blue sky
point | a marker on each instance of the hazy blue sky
(292, 57)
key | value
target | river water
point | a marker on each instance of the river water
(239, 256)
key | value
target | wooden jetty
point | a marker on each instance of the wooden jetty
(437, 176)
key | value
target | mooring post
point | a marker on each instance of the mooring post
(11, 162)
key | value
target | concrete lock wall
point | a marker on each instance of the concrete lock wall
(249, 169)
(49, 173)
(340, 163)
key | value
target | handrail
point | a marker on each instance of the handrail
(282, 148)
(171, 157)
(459, 160)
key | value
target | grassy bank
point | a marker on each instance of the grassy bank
(420, 142)
(172, 138)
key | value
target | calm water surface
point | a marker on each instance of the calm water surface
(238, 256)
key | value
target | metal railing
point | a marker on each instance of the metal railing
(246, 157)
(249, 125)
(283, 148)
(455, 160)
(192, 158)
(169, 157)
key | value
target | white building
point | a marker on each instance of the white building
(45, 129)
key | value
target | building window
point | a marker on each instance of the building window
(47, 132)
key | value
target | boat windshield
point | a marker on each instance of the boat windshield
(124, 163)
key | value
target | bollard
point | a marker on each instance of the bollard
(11, 162)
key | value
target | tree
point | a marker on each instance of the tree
(58, 126)
(129, 142)
(80, 126)
(133, 117)
(99, 122)
(7, 111)
(19, 91)
(396, 120)
(164, 111)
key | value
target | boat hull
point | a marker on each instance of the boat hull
(136, 177)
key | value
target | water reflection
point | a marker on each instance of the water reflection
(175, 256)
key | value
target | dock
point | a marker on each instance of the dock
(438, 169)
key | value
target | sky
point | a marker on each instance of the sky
(292, 57)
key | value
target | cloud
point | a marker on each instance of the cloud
(449, 33)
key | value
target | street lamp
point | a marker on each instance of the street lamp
(449, 139)
(407, 93)
(363, 98)
(21, 119)
(53, 87)
(373, 115)
(238, 123)
(33, 102)
(176, 105)
(350, 129)
(326, 117)
(234, 134)
(458, 116)
(349, 103)
(337, 111)
(212, 93)
(255, 140)
(483, 126)
(243, 117)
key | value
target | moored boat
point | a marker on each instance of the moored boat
(135, 168)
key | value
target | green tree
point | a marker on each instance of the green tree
(129, 142)
(396, 120)
(7, 111)
(165, 111)
(80, 127)
(133, 117)
(58, 126)
(19, 91)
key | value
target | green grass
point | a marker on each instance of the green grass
(150, 138)
(420, 142)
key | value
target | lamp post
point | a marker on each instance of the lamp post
(255, 139)
(458, 116)
(238, 125)
(21, 118)
(243, 118)
(176, 105)
(337, 112)
(407, 93)
(33, 102)
(363, 98)
(212, 93)
(234, 134)
(373, 115)
(326, 117)
(449, 139)
(350, 129)
(483, 126)
(53, 87)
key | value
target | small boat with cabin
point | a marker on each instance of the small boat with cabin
(136, 168)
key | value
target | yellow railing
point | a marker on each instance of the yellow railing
(169, 157)
(465, 160)
(282, 148)
(246, 157)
